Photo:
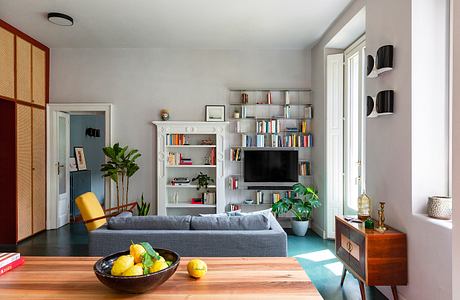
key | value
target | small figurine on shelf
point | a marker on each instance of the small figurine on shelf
(164, 114)
(381, 221)
(244, 98)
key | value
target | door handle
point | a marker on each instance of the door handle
(59, 166)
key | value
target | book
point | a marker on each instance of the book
(12, 265)
(7, 258)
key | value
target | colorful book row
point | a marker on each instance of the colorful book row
(268, 126)
(175, 139)
(235, 154)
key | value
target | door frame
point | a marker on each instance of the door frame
(51, 188)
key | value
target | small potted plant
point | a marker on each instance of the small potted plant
(143, 208)
(301, 204)
(203, 181)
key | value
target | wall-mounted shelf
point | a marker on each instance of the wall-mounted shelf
(190, 206)
(190, 186)
(191, 166)
(191, 146)
(293, 112)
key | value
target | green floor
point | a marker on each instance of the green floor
(317, 258)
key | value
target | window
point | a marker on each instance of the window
(354, 125)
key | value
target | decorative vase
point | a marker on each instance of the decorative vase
(440, 207)
(164, 115)
(300, 228)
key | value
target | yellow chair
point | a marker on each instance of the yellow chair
(94, 216)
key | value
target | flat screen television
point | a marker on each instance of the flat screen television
(271, 166)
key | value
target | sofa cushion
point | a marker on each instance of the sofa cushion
(150, 223)
(252, 222)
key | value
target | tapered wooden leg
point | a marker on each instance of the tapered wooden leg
(394, 290)
(362, 290)
(344, 273)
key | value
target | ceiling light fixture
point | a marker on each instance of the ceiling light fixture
(60, 19)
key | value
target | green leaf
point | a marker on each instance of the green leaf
(147, 260)
(150, 250)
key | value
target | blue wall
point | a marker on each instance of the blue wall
(92, 147)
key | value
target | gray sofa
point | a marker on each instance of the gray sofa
(254, 235)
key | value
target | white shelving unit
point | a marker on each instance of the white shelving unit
(256, 109)
(194, 133)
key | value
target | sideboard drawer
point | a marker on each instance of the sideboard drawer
(358, 253)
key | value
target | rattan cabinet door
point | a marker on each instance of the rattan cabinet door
(24, 170)
(38, 76)
(38, 169)
(23, 70)
(6, 64)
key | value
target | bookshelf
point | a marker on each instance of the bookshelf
(184, 149)
(269, 119)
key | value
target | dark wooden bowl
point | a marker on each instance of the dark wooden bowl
(135, 284)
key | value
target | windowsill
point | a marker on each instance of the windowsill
(443, 223)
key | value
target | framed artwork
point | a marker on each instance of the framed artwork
(80, 158)
(72, 164)
(215, 113)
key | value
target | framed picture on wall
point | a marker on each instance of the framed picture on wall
(80, 158)
(72, 164)
(215, 113)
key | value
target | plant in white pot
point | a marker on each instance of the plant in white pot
(301, 204)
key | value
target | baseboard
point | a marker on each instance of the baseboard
(318, 230)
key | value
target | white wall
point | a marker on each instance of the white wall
(393, 144)
(318, 57)
(140, 82)
(456, 149)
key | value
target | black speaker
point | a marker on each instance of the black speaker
(370, 64)
(385, 102)
(384, 60)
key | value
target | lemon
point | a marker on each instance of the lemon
(122, 264)
(137, 251)
(158, 266)
(197, 268)
(162, 259)
(135, 270)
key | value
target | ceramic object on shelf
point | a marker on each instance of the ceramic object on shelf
(248, 201)
(440, 207)
(164, 114)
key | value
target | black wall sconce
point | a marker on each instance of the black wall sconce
(381, 105)
(92, 132)
(383, 62)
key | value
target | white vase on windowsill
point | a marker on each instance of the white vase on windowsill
(299, 228)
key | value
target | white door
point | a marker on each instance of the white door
(62, 169)
(354, 126)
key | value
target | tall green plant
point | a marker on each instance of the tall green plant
(301, 203)
(120, 167)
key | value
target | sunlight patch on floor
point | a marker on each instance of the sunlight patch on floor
(317, 256)
(336, 268)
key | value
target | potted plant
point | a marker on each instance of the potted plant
(203, 181)
(143, 208)
(120, 167)
(301, 204)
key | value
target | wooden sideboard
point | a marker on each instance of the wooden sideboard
(374, 258)
(24, 73)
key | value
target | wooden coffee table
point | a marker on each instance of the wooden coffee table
(227, 278)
